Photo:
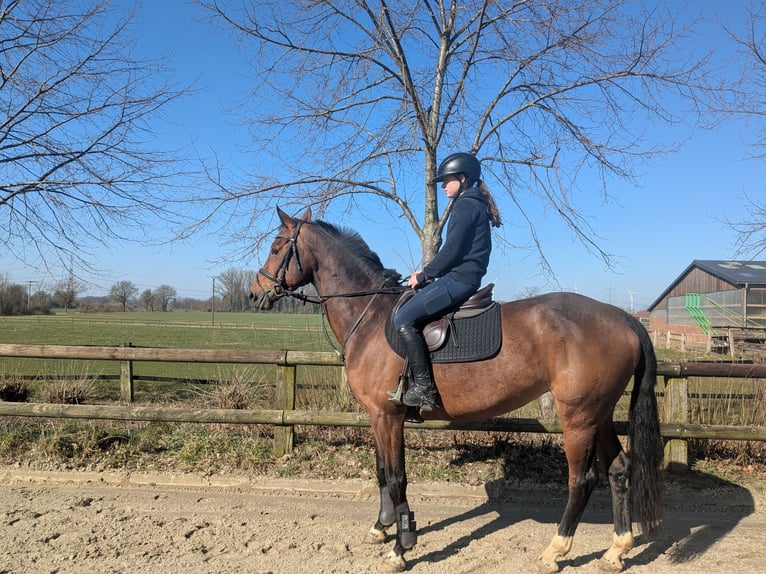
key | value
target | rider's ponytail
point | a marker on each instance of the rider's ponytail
(492, 211)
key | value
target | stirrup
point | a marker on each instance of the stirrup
(395, 396)
(426, 402)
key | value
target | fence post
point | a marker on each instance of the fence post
(676, 411)
(126, 379)
(283, 434)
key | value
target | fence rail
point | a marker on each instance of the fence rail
(676, 427)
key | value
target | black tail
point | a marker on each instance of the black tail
(646, 448)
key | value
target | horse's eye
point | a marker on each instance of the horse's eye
(274, 251)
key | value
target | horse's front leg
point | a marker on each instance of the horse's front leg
(387, 512)
(388, 431)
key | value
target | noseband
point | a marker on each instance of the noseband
(279, 286)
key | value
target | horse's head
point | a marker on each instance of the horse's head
(283, 269)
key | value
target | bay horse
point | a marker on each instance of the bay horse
(583, 351)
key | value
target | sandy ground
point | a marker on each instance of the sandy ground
(104, 523)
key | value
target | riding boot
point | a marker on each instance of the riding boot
(421, 391)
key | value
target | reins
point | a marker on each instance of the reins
(319, 299)
(322, 298)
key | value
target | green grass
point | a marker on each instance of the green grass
(178, 330)
(187, 330)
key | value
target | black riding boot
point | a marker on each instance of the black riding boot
(421, 391)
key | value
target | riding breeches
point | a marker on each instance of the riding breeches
(432, 301)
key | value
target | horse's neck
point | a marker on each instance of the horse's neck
(346, 301)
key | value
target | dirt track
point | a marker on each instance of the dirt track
(76, 523)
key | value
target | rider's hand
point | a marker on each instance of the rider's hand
(416, 279)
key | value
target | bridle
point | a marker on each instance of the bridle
(279, 288)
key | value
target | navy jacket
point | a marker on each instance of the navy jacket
(464, 255)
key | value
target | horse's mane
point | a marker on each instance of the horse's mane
(353, 246)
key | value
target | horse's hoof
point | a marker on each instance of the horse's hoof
(605, 565)
(393, 563)
(375, 536)
(542, 567)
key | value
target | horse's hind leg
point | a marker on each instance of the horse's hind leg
(583, 478)
(618, 470)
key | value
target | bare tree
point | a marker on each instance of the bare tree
(366, 97)
(12, 298)
(147, 299)
(66, 291)
(751, 233)
(235, 288)
(122, 292)
(75, 129)
(163, 295)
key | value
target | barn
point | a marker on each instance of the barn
(715, 294)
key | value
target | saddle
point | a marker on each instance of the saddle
(473, 329)
(435, 333)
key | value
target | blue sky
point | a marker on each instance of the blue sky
(655, 229)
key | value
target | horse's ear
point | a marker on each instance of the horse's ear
(286, 220)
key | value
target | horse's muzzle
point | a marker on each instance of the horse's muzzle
(263, 300)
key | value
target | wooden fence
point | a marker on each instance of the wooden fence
(676, 427)
(734, 342)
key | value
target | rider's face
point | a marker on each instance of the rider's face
(451, 185)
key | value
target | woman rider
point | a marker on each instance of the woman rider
(458, 268)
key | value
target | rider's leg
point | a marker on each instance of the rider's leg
(429, 302)
(421, 392)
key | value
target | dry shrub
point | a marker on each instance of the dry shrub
(231, 395)
(239, 388)
(323, 389)
(730, 402)
(67, 391)
(13, 390)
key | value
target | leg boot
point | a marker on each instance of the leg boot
(422, 391)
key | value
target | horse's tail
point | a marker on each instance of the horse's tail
(646, 448)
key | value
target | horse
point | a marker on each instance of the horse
(583, 351)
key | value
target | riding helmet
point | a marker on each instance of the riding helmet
(460, 162)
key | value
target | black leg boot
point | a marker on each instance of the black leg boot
(422, 391)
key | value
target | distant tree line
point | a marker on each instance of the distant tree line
(231, 294)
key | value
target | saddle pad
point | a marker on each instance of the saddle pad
(469, 339)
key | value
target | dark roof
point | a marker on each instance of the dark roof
(738, 273)
(735, 272)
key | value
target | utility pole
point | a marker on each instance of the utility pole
(631, 293)
(29, 292)
(212, 301)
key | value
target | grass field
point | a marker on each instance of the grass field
(187, 330)
(174, 329)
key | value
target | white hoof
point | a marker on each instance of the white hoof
(375, 536)
(392, 563)
(543, 567)
(606, 565)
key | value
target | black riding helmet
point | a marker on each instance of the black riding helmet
(460, 162)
